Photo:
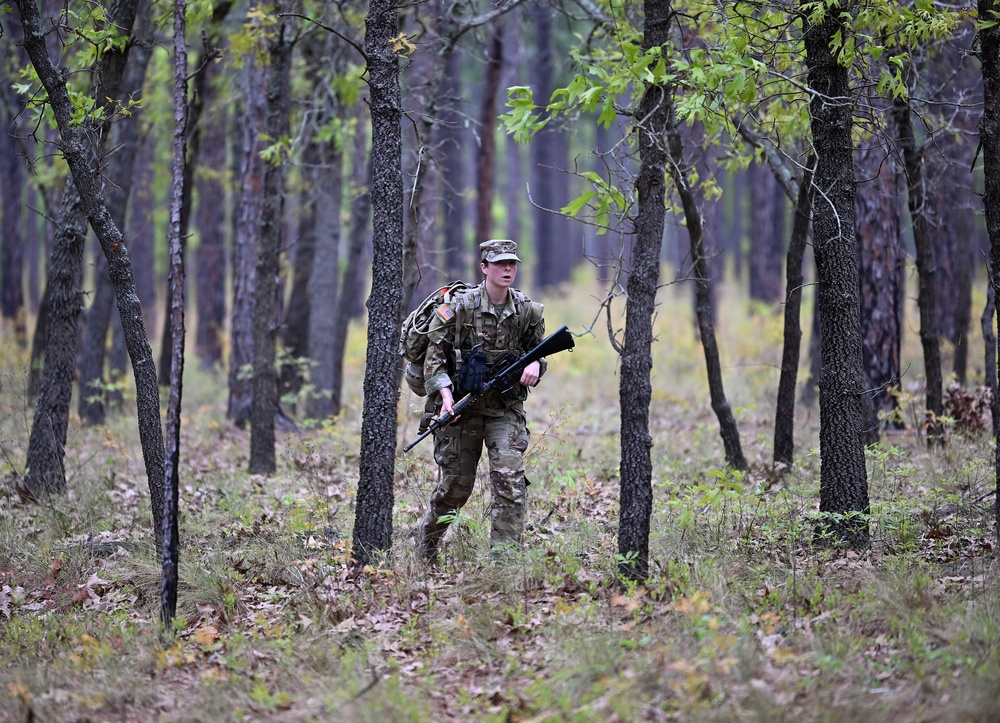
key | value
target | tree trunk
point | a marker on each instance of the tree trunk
(990, 353)
(989, 135)
(373, 513)
(209, 217)
(878, 227)
(452, 160)
(11, 216)
(703, 295)
(635, 389)
(784, 417)
(324, 283)
(181, 179)
(265, 383)
(542, 152)
(81, 159)
(926, 269)
(354, 275)
(766, 242)
(125, 139)
(248, 220)
(486, 157)
(843, 477)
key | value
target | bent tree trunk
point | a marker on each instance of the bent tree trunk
(81, 159)
(703, 298)
(843, 490)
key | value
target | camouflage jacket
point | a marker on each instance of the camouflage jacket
(470, 319)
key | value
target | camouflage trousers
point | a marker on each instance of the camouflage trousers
(457, 449)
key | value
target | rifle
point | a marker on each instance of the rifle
(504, 380)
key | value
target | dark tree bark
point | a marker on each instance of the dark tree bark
(171, 552)
(452, 162)
(12, 185)
(878, 230)
(264, 405)
(354, 275)
(926, 269)
(679, 173)
(990, 353)
(210, 256)
(81, 157)
(373, 513)
(543, 153)
(248, 221)
(125, 139)
(766, 236)
(635, 389)
(843, 477)
(486, 156)
(784, 418)
(325, 283)
(989, 134)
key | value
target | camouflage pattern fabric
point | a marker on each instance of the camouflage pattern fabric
(457, 449)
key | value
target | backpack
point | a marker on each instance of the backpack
(413, 333)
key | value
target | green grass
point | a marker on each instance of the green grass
(742, 617)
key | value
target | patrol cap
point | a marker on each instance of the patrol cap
(498, 249)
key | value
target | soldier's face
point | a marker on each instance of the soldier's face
(501, 273)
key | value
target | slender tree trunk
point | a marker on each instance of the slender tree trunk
(81, 159)
(703, 297)
(125, 139)
(12, 226)
(451, 136)
(373, 513)
(324, 283)
(989, 134)
(171, 543)
(926, 270)
(265, 383)
(486, 157)
(248, 218)
(635, 388)
(784, 418)
(878, 229)
(766, 244)
(843, 476)
(354, 274)
(990, 354)
(542, 153)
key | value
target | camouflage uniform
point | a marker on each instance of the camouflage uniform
(494, 421)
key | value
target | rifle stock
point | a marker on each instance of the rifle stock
(559, 340)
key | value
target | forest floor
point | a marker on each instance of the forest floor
(742, 617)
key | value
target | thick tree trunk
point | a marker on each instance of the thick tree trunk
(843, 477)
(81, 159)
(373, 513)
(989, 134)
(926, 269)
(635, 388)
(265, 382)
(878, 230)
(784, 418)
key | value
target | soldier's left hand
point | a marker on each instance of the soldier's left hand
(529, 377)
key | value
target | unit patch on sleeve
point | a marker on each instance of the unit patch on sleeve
(445, 312)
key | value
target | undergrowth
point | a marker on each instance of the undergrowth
(742, 617)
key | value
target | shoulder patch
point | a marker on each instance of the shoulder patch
(445, 313)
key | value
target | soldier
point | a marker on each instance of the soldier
(483, 328)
